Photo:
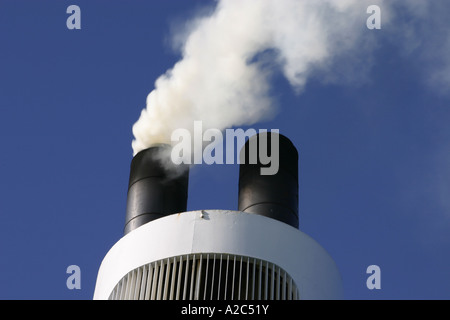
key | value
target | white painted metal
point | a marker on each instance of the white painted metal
(155, 251)
(274, 279)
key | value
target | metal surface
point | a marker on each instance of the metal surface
(234, 233)
(274, 196)
(157, 187)
(207, 276)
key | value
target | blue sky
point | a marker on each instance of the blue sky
(374, 152)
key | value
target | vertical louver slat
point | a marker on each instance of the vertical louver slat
(266, 281)
(260, 279)
(126, 284)
(240, 279)
(123, 288)
(290, 289)
(253, 280)
(172, 281)
(137, 284)
(233, 278)
(198, 279)
(143, 282)
(186, 273)
(160, 281)
(179, 277)
(219, 278)
(247, 278)
(154, 281)
(167, 279)
(272, 284)
(277, 297)
(226, 278)
(149, 282)
(207, 276)
(213, 274)
(192, 273)
(132, 285)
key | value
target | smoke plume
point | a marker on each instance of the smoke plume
(228, 57)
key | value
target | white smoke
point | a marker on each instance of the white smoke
(223, 78)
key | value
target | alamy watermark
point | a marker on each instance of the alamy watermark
(73, 22)
(374, 280)
(74, 280)
(374, 20)
(212, 147)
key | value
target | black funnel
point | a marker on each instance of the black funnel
(157, 187)
(266, 188)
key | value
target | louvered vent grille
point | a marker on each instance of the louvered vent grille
(207, 276)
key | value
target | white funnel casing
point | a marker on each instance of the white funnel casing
(220, 254)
